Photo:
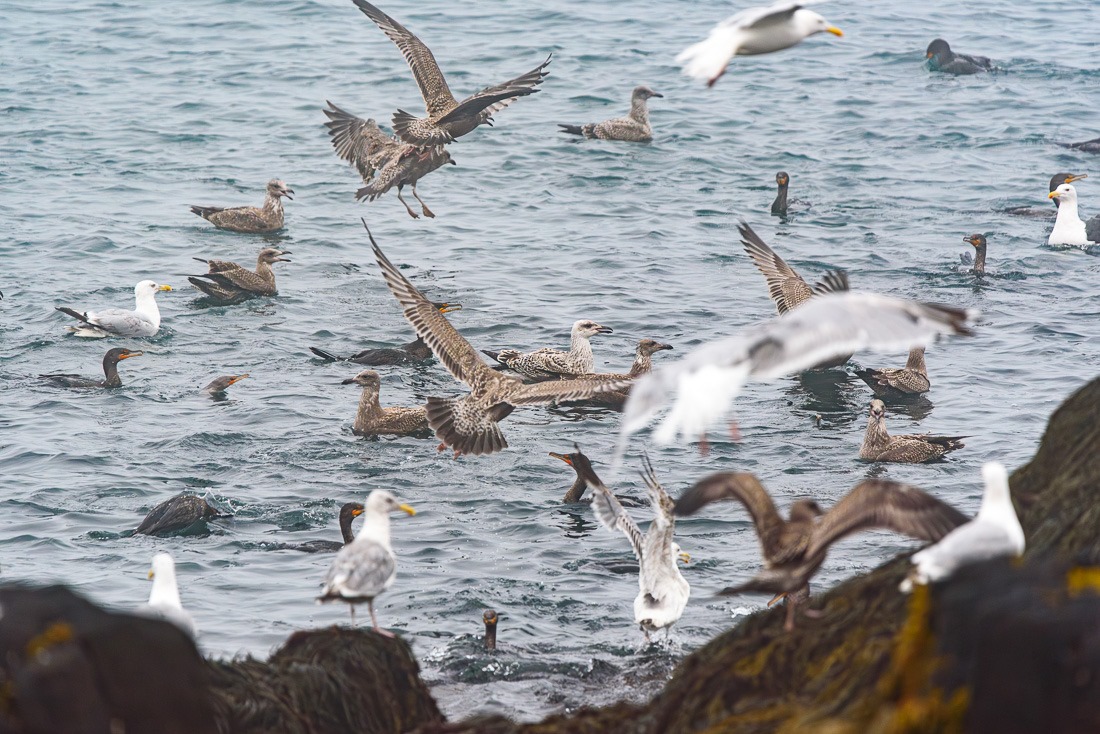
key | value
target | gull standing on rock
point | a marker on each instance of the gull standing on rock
(447, 117)
(144, 320)
(164, 598)
(993, 533)
(551, 364)
(469, 424)
(1069, 229)
(366, 567)
(794, 549)
(110, 372)
(383, 162)
(709, 377)
(878, 445)
(634, 128)
(250, 219)
(229, 282)
(373, 420)
(753, 31)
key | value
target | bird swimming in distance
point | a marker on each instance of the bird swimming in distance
(219, 385)
(794, 549)
(917, 448)
(912, 379)
(663, 592)
(176, 514)
(348, 512)
(383, 162)
(250, 219)
(164, 598)
(781, 204)
(469, 425)
(1055, 181)
(228, 282)
(1086, 146)
(447, 118)
(366, 566)
(414, 351)
(373, 420)
(705, 381)
(551, 364)
(490, 619)
(994, 532)
(752, 31)
(1068, 227)
(634, 128)
(110, 372)
(979, 242)
(941, 58)
(144, 320)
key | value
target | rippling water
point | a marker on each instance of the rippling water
(117, 115)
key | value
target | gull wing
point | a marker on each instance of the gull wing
(786, 287)
(741, 487)
(556, 391)
(359, 142)
(499, 96)
(608, 510)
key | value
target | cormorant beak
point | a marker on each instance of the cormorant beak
(1053, 195)
(129, 354)
(236, 378)
(563, 457)
(164, 287)
(407, 509)
(605, 330)
(834, 30)
(356, 512)
(1074, 177)
(929, 55)
(685, 557)
(448, 307)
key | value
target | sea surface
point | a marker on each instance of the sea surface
(115, 116)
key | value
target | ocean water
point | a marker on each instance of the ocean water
(116, 116)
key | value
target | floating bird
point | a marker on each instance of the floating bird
(1055, 181)
(469, 424)
(663, 592)
(447, 117)
(144, 320)
(414, 351)
(374, 420)
(912, 379)
(634, 128)
(781, 204)
(178, 513)
(993, 533)
(383, 162)
(576, 491)
(250, 219)
(878, 445)
(110, 372)
(794, 549)
(643, 364)
(979, 243)
(1068, 227)
(366, 566)
(230, 283)
(490, 618)
(941, 58)
(348, 512)
(551, 364)
(219, 385)
(753, 31)
(707, 379)
(164, 598)
(1087, 146)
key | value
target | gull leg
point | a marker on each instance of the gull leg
(427, 212)
(412, 214)
(441, 447)
(374, 620)
(351, 608)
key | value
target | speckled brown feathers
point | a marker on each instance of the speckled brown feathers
(909, 380)
(228, 281)
(250, 219)
(633, 128)
(878, 445)
(372, 419)
(786, 287)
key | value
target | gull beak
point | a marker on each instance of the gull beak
(348, 381)
(130, 354)
(164, 288)
(288, 193)
(658, 94)
(282, 259)
(448, 307)
(834, 30)
(685, 557)
(453, 162)
(563, 457)
(664, 346)
(1053, 195)
(406, 509)
(605, 330)
(150, 574)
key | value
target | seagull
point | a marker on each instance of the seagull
(993, 533)
(164, 599)
(250, 219)
(230, 283)
(794, 549)
(634, 128)
(447, 117)
(373, 420)
(760, 30)
(663, 592)
(110, 372)
(912, 379)
(708, 378)
(1069, 229)
(366, 567)
(878, 445)
(469, 424)
(552, 364)
(144, 320)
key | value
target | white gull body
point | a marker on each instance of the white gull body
(164, 598)
(1069, 229)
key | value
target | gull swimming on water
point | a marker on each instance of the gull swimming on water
(634, 128)
(752, 31)
(366, 566)
(994, 532)
(164, 598)
(878, 445)
(447, 117)
(250, 219)
(707, 379)
(144, 320)
(794, 549)
(469, 425)
(642, 365)
(373, 420)
(912, 379)
(383, 162)
(110, 372)
(228, 282)
(548, 363)
(1069, 229)
(663, 592)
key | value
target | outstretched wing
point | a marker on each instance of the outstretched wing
(608, 510)
(557, 391)
(741, 487)
(497, 97)
(786, 287)
(360, 142)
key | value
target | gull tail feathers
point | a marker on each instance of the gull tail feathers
(463, 428)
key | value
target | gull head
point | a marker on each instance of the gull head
(587, 328)
(644, 92)
(878, 410)
(1065, 192)
(811, 23)
(679, 553)
(271, 255)
(381, 502)
(367, 378)
(163, 567)
(277, 188)
(649, 347)
(805, 511)
(150, 288)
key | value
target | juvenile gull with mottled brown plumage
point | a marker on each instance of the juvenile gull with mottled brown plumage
(373, 420)
(878, 445)
(912, 379)
(633, 128)
(550, 364)
(229, 282)
(250, 219)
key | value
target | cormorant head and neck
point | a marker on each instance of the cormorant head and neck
(110, 365)
(349, 512)
(490, 618)
(979, 243)
(576, 491)
(779, 206)
(938, 53)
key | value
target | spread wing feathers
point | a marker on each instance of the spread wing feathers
(663, 506)
(609, 512)
(360, 142)
(741, 487)
(834, 281)
(362, 570)
(446, 343)
(499, 96)
(556, 391)
(438, 99)
(786, 287)
(758, 17)
(658, 539)
(825, 327)
(234, 277)
(895, 506)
